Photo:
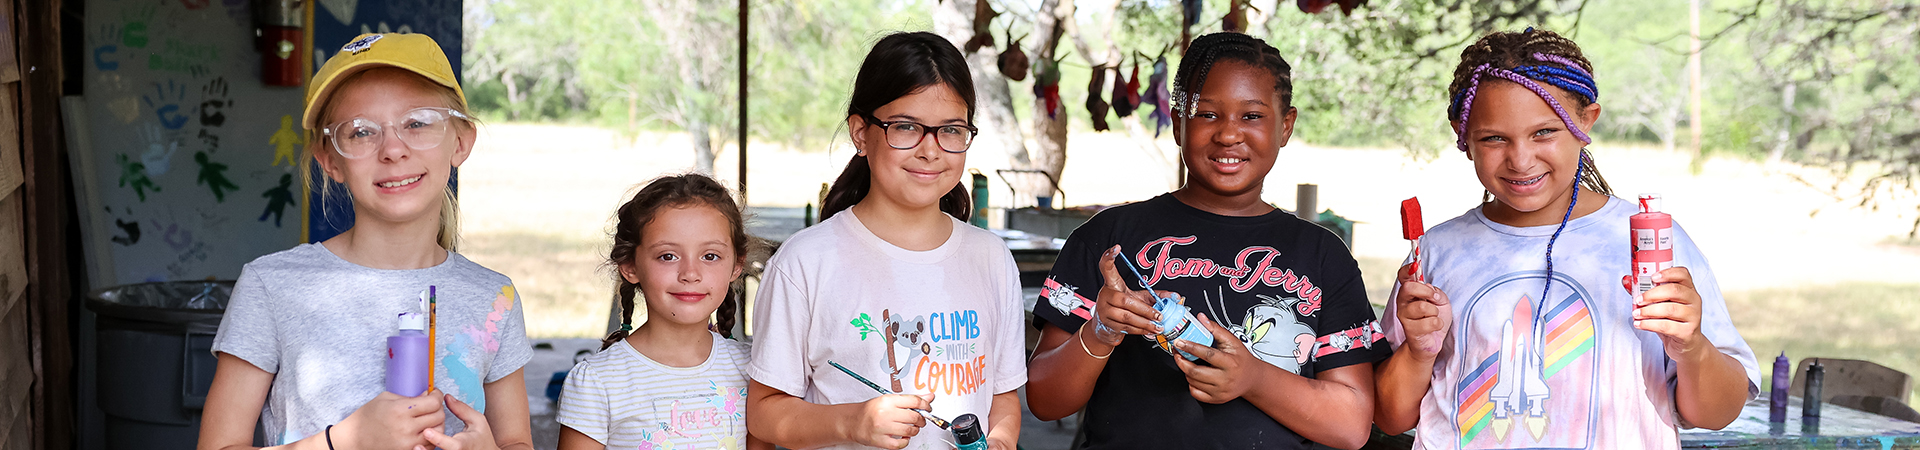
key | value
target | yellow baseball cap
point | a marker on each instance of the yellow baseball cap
(415, 53)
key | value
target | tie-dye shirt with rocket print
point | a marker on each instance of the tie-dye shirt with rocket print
(320, 325)
(1563, 371)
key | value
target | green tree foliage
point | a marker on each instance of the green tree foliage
(1831, 83)
(1825, 82)
(671, 64)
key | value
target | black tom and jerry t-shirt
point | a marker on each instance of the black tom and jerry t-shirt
(1285, 287)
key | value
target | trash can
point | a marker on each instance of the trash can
(155, 361)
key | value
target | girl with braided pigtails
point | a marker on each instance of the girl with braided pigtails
(678, 245)
(1547, 350)
(1294, 339)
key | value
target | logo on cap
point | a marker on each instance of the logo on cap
(361, 44)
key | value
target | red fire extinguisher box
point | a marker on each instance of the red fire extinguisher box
(279, 35)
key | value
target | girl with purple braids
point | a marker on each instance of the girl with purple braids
(1546, 349)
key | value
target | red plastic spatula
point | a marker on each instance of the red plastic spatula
(1411, 229)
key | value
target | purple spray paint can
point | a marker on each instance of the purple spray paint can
(1777, 404)
(407, 357)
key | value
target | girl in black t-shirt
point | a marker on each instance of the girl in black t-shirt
(1294, 336)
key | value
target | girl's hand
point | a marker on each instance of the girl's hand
(1122, 309)
(477, 435)
(1234, 369)
(1672, 310)
(390, 421)
(997, 444)
(1425, 315)
(888, 421)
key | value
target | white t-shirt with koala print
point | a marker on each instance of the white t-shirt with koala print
(946, 321)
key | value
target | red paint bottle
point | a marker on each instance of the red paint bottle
(1652, 234)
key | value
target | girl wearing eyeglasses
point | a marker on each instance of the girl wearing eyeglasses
(302, 348)
(893, 286)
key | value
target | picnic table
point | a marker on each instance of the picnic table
(1838, 427)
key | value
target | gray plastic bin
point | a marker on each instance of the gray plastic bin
(155, 359)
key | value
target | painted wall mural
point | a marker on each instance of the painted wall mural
(186, 144)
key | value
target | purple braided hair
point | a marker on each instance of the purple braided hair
(1460, 131)
(1561, 60)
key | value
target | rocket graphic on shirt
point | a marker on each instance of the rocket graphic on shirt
(1520, 392)
(1526, 364)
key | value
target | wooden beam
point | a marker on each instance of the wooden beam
(743, 104)
(47, 206)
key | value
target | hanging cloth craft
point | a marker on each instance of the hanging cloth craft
(1347, 6)
(1046, 86)
(1236, 19)
(1126, 95)
(1157, 95)
(983, 15)
(1013, 60)
(1097, 107)
(1193, 9)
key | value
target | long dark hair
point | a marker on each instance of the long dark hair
(900, 65)
(672, 191)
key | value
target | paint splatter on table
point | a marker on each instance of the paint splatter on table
(1838, 427)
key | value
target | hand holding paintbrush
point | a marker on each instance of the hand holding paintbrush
(889, 421)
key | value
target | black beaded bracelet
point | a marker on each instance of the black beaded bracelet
(329, 437)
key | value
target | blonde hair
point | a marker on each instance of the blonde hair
(449, 235)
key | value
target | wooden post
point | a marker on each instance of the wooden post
(1693, 78)
(740, 285)
(45, 206)
(742, 131)
(1307, 202)
(1186, 37)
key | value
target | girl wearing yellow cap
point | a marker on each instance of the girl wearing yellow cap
(303, 347)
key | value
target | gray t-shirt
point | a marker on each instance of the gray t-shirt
(320, 325)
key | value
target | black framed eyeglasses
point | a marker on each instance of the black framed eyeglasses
(906, 134)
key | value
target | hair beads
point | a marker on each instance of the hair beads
(1208, 50)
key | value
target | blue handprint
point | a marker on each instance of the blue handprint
(166, 104)
(102, 52)
(104, 56)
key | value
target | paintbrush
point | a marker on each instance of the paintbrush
(883, 391)
(433, 328)
(1121, 258)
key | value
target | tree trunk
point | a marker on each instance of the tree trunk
(1786, 124)
(702, 145)
(1050, 133)
(697, 123)
(999, 129)
(513, 94)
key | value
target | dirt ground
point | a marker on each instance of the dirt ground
(535, 202)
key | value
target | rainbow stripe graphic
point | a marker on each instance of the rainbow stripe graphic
(1475, 411)
(1569, 329)
(1568, 334)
